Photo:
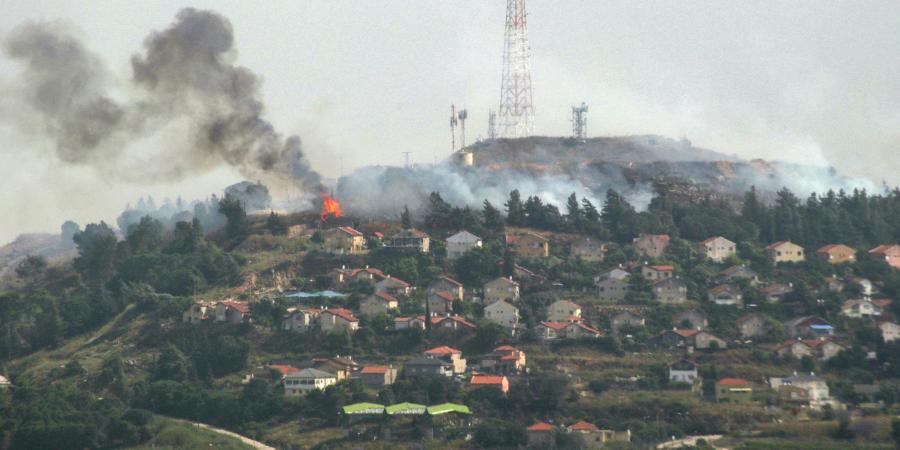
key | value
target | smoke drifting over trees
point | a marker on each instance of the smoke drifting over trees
(184, 82)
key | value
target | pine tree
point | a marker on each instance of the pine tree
(573, 213)
(492, 218)
(515, 211)
(405, 218)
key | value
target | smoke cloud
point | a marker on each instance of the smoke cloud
(184, 82)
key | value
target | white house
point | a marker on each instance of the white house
(378, 303)
(816, 388)
(862, 308)
(501, 289)
(683, 371)
(612, 286)
(460, 243)
(338, 320)
(232, 312)
(718, 248)
(503, 313)
(300, 319)
(563, 310)
(890, 331)
(306, 380)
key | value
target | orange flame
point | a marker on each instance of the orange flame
(330, 207)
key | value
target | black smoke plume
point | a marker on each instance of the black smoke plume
(185, 77)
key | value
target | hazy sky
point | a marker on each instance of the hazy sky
(364, 81)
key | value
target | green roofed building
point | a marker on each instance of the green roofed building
(445, 408)
(364, 409)
(406, 408)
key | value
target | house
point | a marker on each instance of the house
(670, 291)
(808, 389)
(529, 245)
(197, 312)
(734, 390)
(737, 272)
(717, 248)
(612, 286)
(505, 359)
(344, 241)
(776, 292)
(566, 330)
(541, 435)
(657, 272)
(377, 376)
(411, 240)
(865, 285)
(440, 302)
(393, 286)
(367, 275)
(427, 367)
(809, 326)
(406, 323)
(503, 313)
(451, 322)
(588, 436)
(447, 284)
(725, 294)
(890, 331)
(561, 310)
(4, 383)
(343, 367)
(378, 303)
(460, 243)
(889, 253)
(338, 320)
(784, 251)
(588, 249)
(651, 245)
(751, 326)
(495, 381)
(680, 337)
(307, 380)
(690, 319)
(301, 319)
(836, 254)
(449, 355)
(834, 284)
(683, 371)
(626, 319)
(527, 276)
(501, 289)
(821, 348)
(864, 307)
(233, 312)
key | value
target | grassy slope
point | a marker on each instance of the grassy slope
(169, 434)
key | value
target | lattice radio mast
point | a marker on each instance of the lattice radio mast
(516, 104)
(579, 121)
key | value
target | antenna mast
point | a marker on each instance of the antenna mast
(492, 124)
(453, 123)
(579, 121)
(463, 115)
(516, 104)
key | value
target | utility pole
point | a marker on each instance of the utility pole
(453, 123)
(463, 115)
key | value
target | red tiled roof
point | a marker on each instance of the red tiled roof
(884, 249)
(733, 382)
(583, 426)
(284, 369)
(587, 328)
(708, 240)
(555, 325)
(484, 380)
(775, 245)
(350, 231)
(662, 268)
(720, 288)
(450, 280)
(540, 426)
(397, 280)
(686, 332)
(443, 350)
(374, 370)
(455, 318)
(378, 234)
(570, 303)
(343, 313)
(506, 348)
(445, 295)
(385, 296)
(882, 302)
(243, 307)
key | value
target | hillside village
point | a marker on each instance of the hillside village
(514, 326)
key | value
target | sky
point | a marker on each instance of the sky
(363, 81)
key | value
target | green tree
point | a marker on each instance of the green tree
(96, 252)
(477, 266)
(145, 236)
(276, 224)
(515, 212)
(172, 364)
(406, 218)
(574, 214)
(237, 227)
(492, 219)
(32, 268)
